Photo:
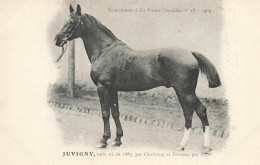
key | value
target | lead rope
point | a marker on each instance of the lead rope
(63, 51)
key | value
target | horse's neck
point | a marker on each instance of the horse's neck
(95, 41)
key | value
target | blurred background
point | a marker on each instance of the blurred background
(196, 31)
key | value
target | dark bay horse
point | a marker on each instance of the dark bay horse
(116, 67)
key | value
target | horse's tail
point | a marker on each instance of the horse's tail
(209, 69)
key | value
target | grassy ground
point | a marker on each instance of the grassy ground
(148, 104)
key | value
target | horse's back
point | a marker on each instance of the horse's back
(164, 67)
(178, 57)
(128, 69)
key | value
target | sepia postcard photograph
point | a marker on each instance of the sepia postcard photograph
(129, 82)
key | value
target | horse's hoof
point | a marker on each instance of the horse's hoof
(116, 143)
(206, 150)
(102, 145)
(180, 148)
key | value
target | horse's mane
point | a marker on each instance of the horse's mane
(99, 25)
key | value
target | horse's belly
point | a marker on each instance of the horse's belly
(137, 86)
(141, 73)
(138, 81)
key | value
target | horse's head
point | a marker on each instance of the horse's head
(71, 29)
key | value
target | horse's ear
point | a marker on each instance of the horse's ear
(71, 9)
(78, 12)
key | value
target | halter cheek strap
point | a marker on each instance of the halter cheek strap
(78, 24)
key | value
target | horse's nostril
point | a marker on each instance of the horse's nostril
(58, 40)
(57, 43)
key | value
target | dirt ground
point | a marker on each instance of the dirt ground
(148, 105)
(87, 129)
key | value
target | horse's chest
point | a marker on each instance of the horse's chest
(101, 72)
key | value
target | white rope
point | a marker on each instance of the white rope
(63, 51)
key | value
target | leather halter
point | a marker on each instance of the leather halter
(67, 38)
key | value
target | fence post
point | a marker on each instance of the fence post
(71, 69)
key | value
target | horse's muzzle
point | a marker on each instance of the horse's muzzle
(59, 41)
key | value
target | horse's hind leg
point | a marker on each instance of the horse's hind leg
(115, 114)
(201, 111)
(190, 102)
(185, 101)
(185, 90)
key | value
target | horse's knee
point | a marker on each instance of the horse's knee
(105, 115)
(115, 115)
(114, 110)
(190, 99)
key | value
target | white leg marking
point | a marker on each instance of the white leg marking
(207, 136)
(186, 137)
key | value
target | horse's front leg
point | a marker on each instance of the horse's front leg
(115, 114)
(105, 101)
